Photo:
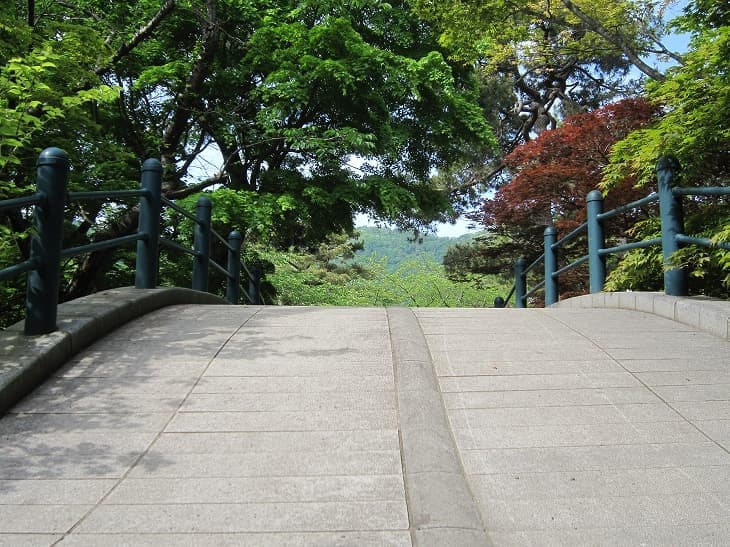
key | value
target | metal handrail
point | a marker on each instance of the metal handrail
(201, 255)
(18, 269)
(571, 236)
(643, 244)
(535, 263)
(702, 191)
(534, 289)
(670, 208)
(100, 245)
(44, 265)
(25, 201)
(651, 198)
(175, 207)
(107, 194)
(703, 242)
(571, 266)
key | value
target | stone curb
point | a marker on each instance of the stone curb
(705, 314)
(441, 508)
(26, 361)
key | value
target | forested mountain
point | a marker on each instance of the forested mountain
(397, 246)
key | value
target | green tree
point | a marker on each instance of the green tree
(396, 246)
(694, 99)
(48, 90)
(416, 282)
(286, 92)
(556, 54)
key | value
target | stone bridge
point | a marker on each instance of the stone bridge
(162, 421)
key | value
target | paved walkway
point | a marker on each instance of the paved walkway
(221, 425)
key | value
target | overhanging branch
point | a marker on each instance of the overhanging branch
(615, 39)
(139, 37)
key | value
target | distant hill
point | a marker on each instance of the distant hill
(396, 247)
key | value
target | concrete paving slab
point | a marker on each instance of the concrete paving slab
(704, 410)
(712, 534)
(474, 437)
(29, 540)
(159, 464)
(84, 423)
(84, 386)
(547, 445)
(606, 512)
(18, 519)
(282, 421)
(306, 426)
(696, 393)
(611, 483)
(290, 367)
(269, 489)
(365, 440)
(676, 352)
(464, 363)
(53, 492)
(74, 443)
(710, 478)
(564, 415)
(279, 539)
(686, 365)
(538, 398)
(95, 404)
(344, 473)
(596, 457)
(294, 384)
(684, 378)
(514, 382)
(285, 402)
(717, 430)
(82, 465)
(252, 517)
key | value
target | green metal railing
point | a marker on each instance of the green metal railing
(672, 239)
(43, 265)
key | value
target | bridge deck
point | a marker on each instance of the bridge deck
(215, 425)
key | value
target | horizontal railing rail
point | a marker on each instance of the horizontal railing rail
(673, 237)
(44, 263)
(19, 203)
(233, 247)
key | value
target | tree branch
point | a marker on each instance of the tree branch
(615, 39)
(139, 36)
(218, 178)
(187, 99)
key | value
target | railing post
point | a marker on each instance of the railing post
(201, 244)
(551, 266)
(233, 291)
(254, 285)
(596, 241)
(145, 276)
(672, 217)
(520, 283)
(45, 247)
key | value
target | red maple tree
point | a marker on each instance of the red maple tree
(552, 174)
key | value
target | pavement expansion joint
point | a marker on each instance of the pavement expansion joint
(440, 503)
